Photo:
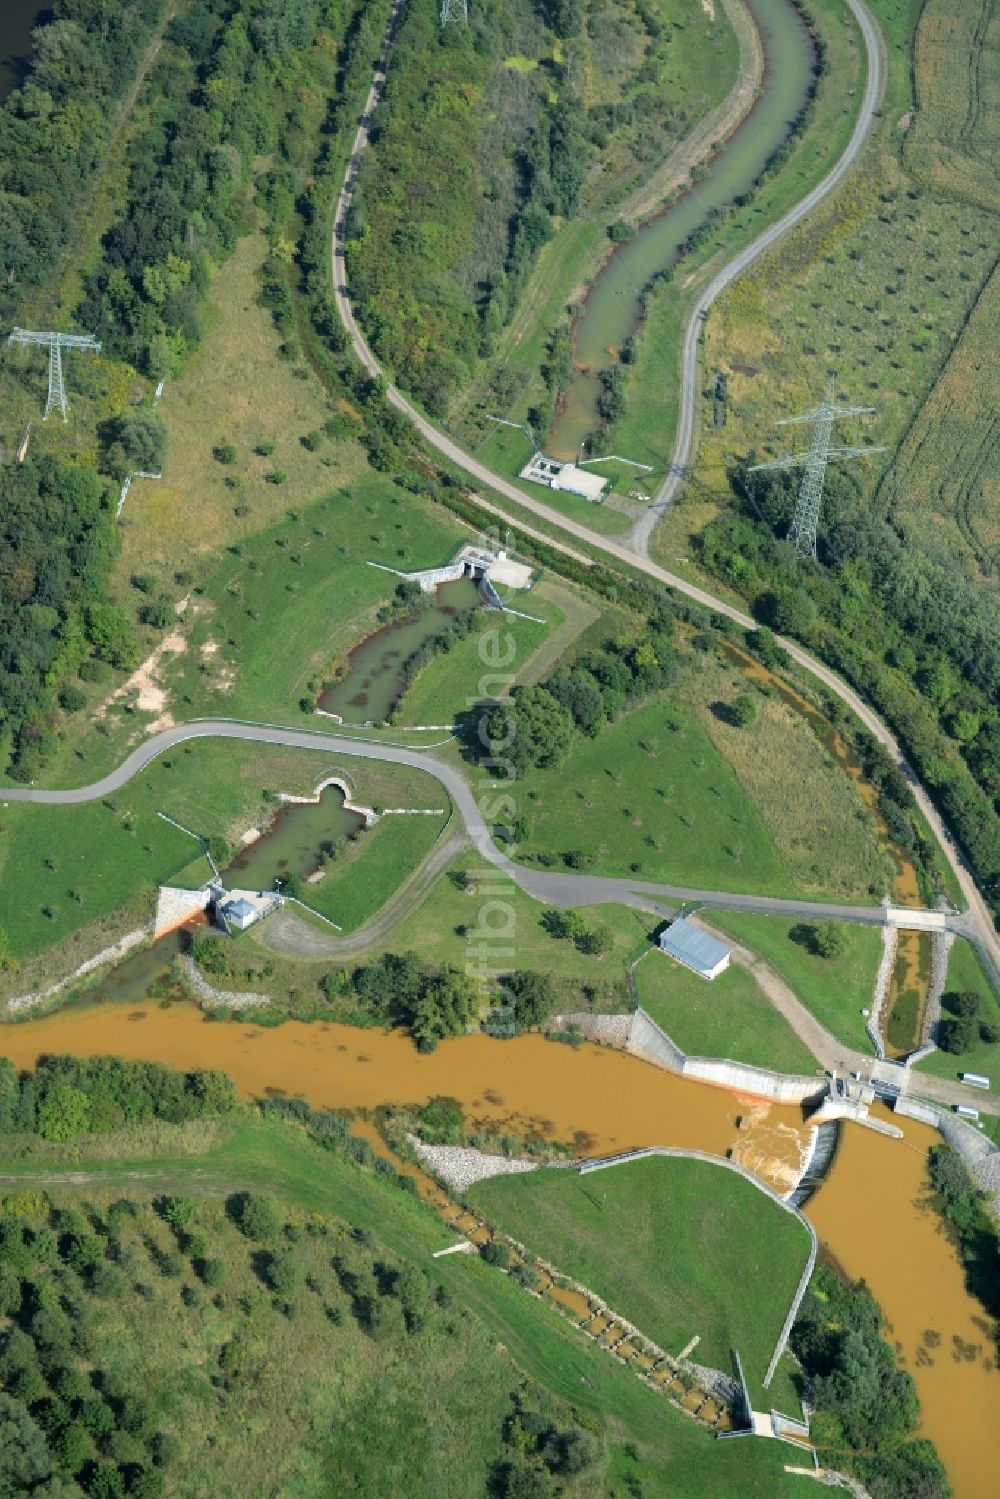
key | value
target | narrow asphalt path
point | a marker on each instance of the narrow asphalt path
(686, 440)
(544, 885)
(979, 925)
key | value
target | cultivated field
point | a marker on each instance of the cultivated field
(678, 1247)
(943, 487)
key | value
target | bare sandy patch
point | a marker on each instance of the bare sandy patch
(145, 689)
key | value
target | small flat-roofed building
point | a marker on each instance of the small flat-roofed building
(565, 476)
(239, 914)
(694, 948)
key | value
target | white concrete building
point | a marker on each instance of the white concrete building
(694, 948)
(239, 914)
(567, 477)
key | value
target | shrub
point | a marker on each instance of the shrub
(830, 940)
(957, 1034)
(258, 1218)
(212, 1272)
(496, 1252)
(743, 710)
(72, 699)
(224, 452)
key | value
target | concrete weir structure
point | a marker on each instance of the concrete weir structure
(484, 567)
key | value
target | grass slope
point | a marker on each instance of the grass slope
(729, 1017)
(820, 825)
(836, 990)
(966, 972)
(485, 664)
(678, 1247)
(524, 1336)
(652, 796)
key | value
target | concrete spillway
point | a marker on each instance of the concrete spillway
(825, 1141)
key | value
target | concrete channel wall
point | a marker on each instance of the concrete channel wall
(606, 1162)
(648, 1040)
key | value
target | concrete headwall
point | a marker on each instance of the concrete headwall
(648, 1040)
(174, 906)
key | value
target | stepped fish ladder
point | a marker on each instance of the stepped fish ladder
(868, 1213)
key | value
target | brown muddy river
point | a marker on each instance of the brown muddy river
(868, 1213)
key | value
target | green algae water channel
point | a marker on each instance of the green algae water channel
(374, 674)
(613, 308)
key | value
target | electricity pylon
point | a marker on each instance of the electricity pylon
(452, 10)
(56, 342)
(802, 532)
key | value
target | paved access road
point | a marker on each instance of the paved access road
(685, 442)
(552, 888)
(979, 924)
(555, 889)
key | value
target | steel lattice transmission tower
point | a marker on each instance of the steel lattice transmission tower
(802, 532)
(454, 10)
(55, 342)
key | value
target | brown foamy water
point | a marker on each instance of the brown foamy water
(869, 1212)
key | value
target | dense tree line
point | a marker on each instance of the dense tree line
(536, 727)
(244, 78)
(433, 1001)
(921, 643)
(471, 161)
(972, 1226)
(55, 128)
(864, 1408)
(68, 1096)
(233, 79)
(57, 542)
(69, 1421)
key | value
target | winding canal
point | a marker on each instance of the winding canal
(613, 307)
(869, 1213)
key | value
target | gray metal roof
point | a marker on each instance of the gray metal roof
(238, 909)
(691, 945)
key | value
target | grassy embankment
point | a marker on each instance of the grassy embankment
(835, 990)
(496, 1334)
(646, 430)
(680, 1248)
(77, 877)
(454, 680)
(876, 285)
(672, 792)
(966, 972)
(729, 1017)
